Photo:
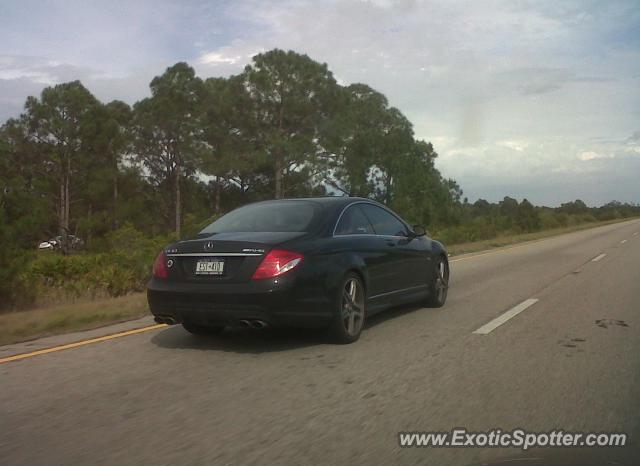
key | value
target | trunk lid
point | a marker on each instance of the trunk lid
(241, 254)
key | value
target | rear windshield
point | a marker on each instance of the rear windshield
(283, 216)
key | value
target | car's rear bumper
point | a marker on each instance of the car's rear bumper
(229, 304)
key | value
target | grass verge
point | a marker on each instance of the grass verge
(506, 240)
(66, 318)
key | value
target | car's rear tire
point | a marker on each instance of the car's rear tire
(439, 286)
(196, 329)
(350, 310)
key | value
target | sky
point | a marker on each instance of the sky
(536, 100)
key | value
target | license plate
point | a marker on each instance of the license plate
(210, 267)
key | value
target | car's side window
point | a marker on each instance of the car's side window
(354, 222)
(383, 222)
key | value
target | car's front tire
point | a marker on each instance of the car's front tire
(202, 329)
(439, 286)
(350, 312)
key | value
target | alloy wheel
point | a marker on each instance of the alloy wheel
(353, 306)
(442, 280)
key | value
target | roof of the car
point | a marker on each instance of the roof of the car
(327, 200)
(330, 205)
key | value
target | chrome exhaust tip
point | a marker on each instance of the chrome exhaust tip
(259, 324)
(168, 320)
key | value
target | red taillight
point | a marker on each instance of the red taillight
(276, 263)
(160, 266)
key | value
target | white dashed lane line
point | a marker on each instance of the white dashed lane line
(510, 314)
(514, 311)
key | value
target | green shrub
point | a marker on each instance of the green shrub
(563, 219)
(47, 276)
(587, 218)
(549, 221)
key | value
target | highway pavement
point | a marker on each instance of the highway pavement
(539, 336)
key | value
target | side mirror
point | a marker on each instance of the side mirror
(419, 230)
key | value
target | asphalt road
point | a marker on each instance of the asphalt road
(569, 361)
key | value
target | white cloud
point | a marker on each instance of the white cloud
(529, 97)
(518, 146)
(590, 155)
(214, 58)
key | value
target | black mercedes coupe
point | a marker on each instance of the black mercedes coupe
(326, 263)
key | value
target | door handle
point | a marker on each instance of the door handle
(390, 242)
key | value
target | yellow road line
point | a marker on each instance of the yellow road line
(53, 349)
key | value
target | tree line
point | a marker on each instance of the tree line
(128, 179)
(195, 148)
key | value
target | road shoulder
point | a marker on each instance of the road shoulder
(68, 338)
